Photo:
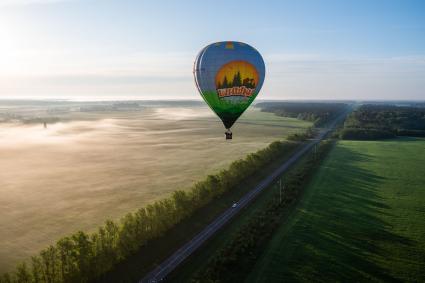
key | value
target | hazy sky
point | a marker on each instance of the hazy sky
(313, 49)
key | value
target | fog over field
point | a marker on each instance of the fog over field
(100, 160)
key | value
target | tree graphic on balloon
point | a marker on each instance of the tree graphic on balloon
(237, 81)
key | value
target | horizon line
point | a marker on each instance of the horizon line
(107, 99)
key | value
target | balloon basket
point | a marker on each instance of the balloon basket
(228, 134)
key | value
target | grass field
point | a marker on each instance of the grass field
(91, 166)
(361, 219)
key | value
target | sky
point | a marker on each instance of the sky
(91, 49)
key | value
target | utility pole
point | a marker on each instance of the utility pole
(280, 190)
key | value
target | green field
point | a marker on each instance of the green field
(361, 219)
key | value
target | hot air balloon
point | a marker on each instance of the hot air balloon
(229, 75)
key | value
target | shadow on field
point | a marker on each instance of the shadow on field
(338, 236)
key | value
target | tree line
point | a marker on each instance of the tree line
(370, 122)
(316, 112)
(235, 259)
(83, 257)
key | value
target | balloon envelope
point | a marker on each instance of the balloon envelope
(229, 75)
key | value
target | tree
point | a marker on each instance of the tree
(82, 255)
(6, 278)
(182, 204)
(127, 240)
(36, 269)
(49, 264)
(141, 226)
(105, 248)
(225, 82)
(66, 250)
(23, 275)
(237, 81)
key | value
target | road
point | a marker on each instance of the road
(168, 265)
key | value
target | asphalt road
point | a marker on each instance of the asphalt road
(168, 265)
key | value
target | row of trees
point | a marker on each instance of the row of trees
(318, 113)
(234, 261)
(371, 122)
(301, 136)
(83, 257)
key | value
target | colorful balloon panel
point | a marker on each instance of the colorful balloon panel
(229, 76)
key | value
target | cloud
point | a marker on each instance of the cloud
(325, 77)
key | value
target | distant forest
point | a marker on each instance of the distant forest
(318, 113)
(384, 121)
